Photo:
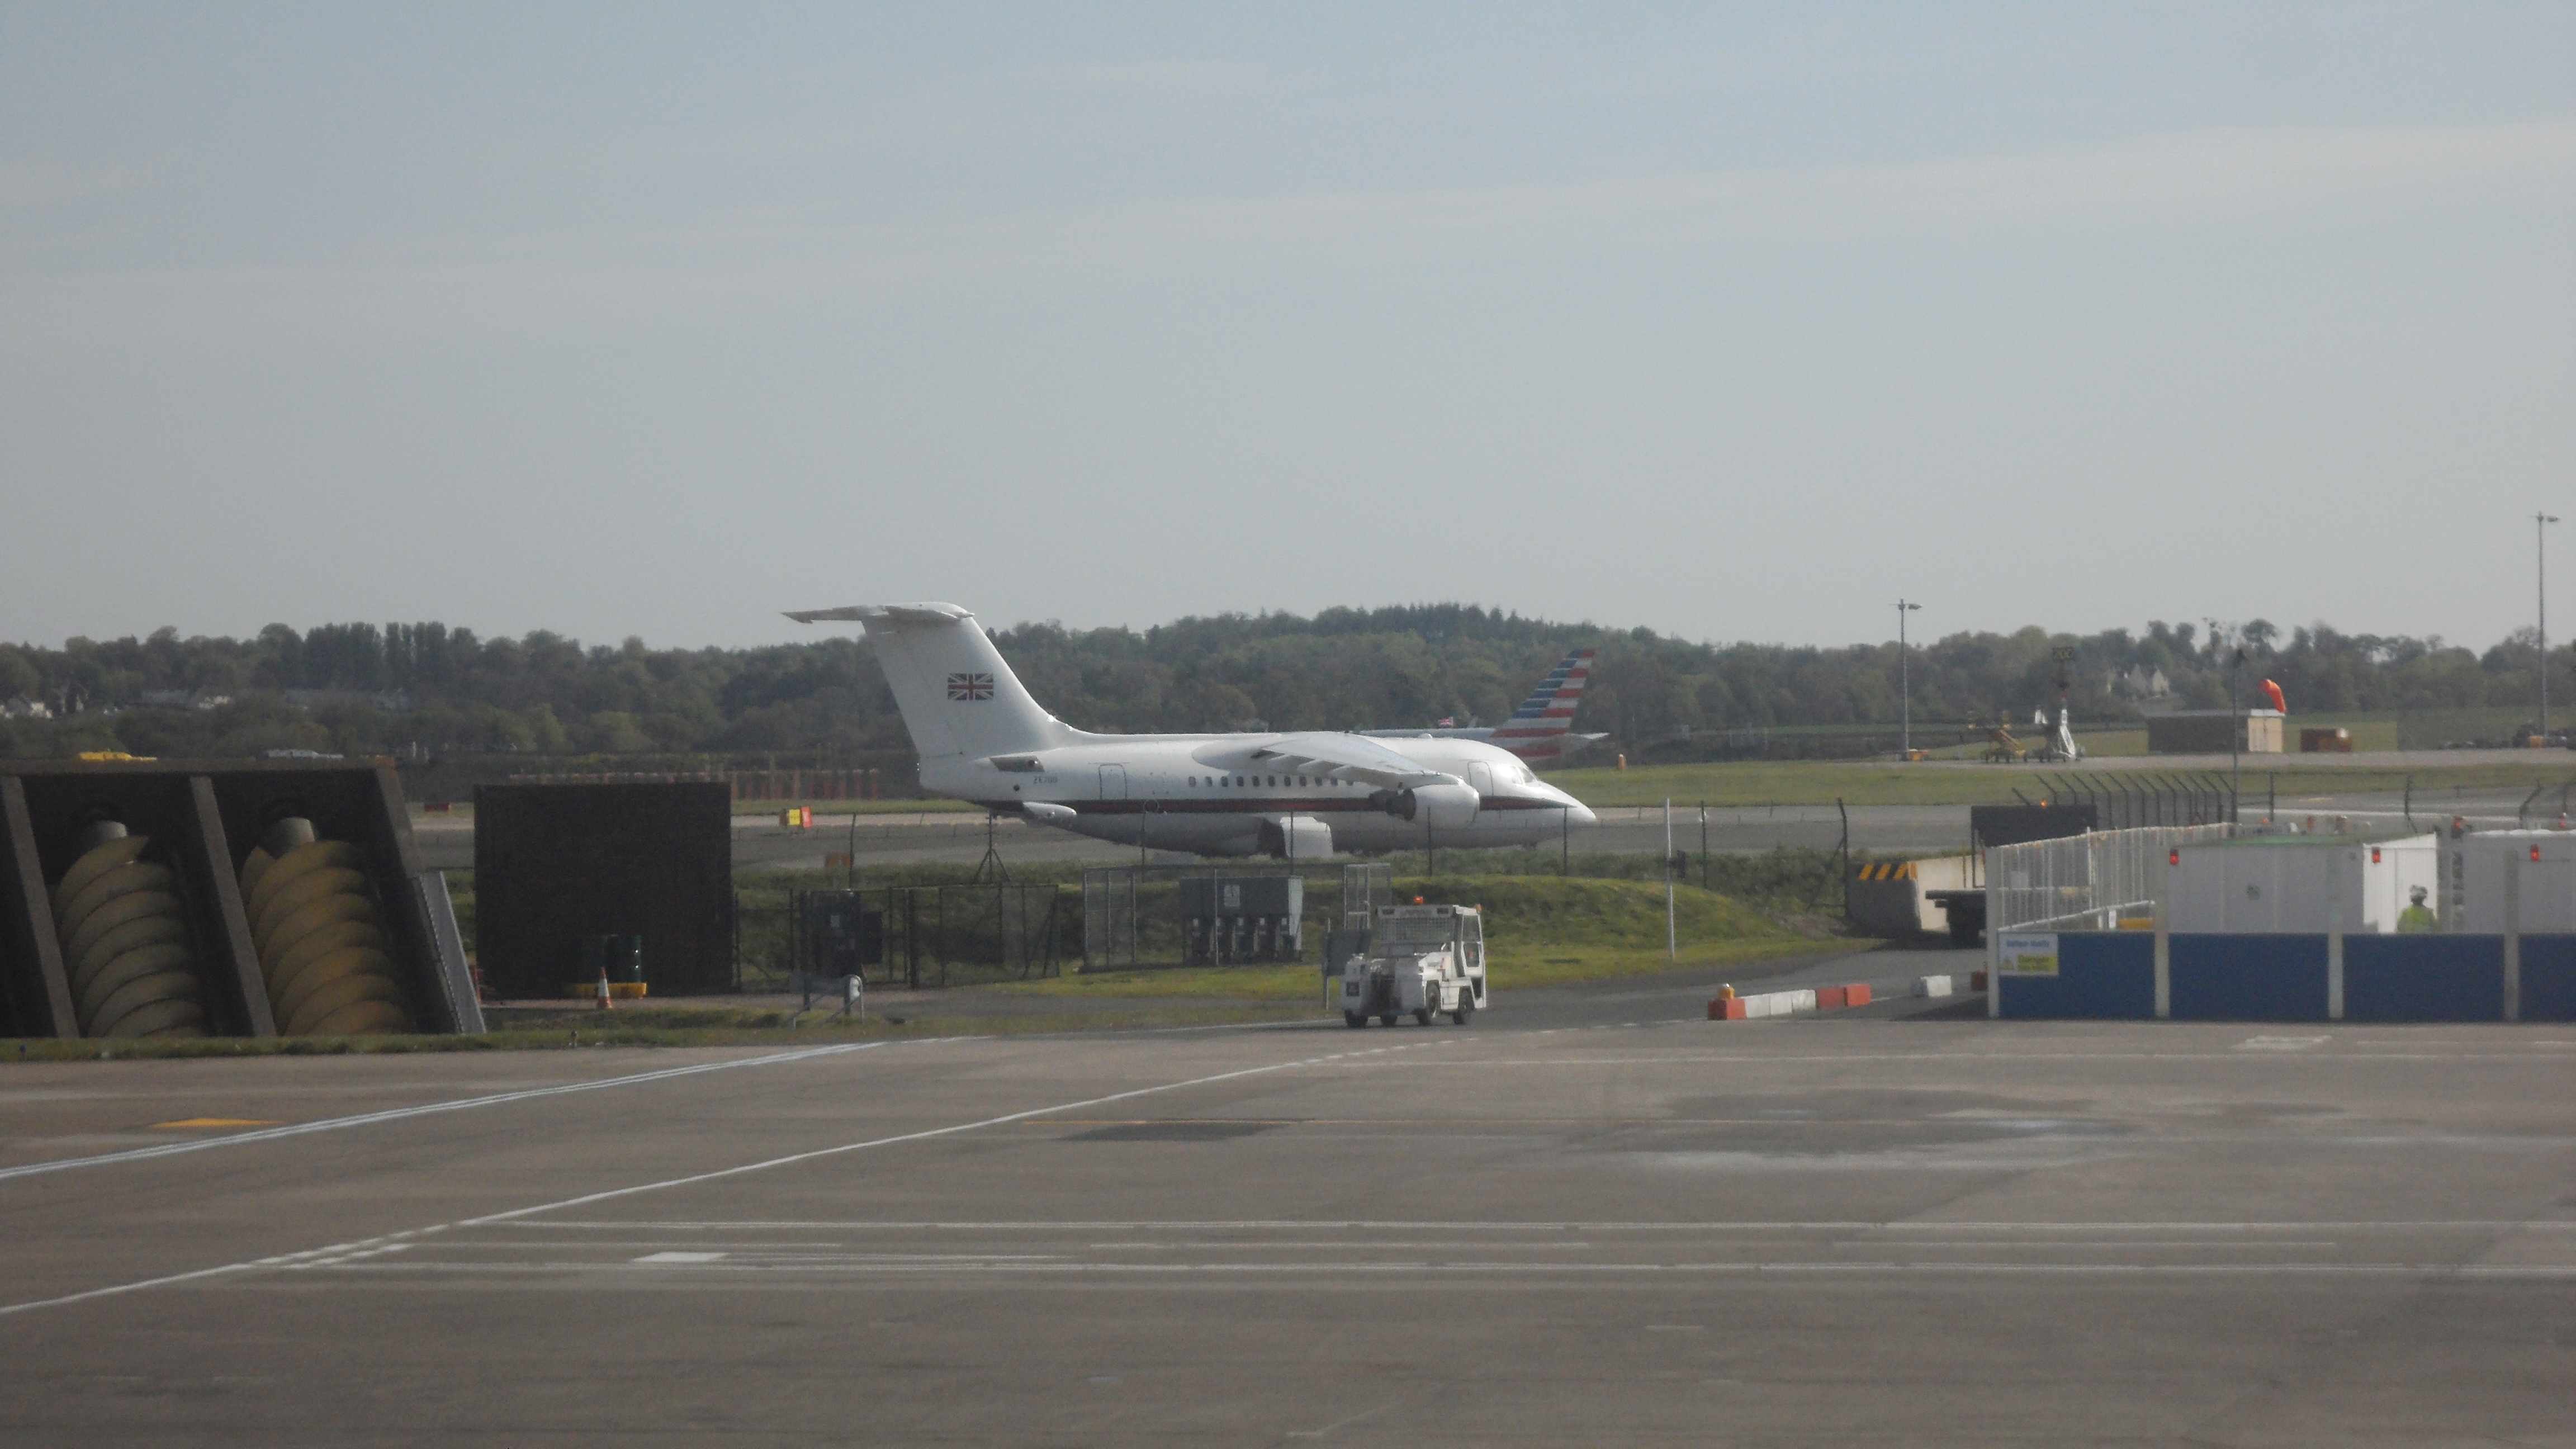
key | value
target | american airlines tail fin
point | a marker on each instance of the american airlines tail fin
(1549, 710)
(956, 694)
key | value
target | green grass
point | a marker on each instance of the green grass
(1821, 782)
(1540, 931)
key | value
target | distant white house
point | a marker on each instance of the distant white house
(21, 707)
(2141, 682)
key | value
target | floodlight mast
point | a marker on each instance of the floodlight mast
(2540, 533)
(1904, 686)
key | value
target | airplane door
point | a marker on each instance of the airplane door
(1480, 778)
(1113, 782)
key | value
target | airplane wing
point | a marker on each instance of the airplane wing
(1349, 757)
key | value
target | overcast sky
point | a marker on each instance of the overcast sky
(1732, 321)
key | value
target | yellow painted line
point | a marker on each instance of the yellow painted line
(216, 1122)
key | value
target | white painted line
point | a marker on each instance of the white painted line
(430, 1109)
(690, 1180)
(1306, 1225)
(681, 1258)
(925, 1135)
(994, 1268)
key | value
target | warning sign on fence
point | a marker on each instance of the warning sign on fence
(2027, 953)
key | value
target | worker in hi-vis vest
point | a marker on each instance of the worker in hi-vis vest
(2417, 917)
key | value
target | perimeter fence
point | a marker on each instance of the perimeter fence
(2083, 882)
(921, 937)
(1132, 916)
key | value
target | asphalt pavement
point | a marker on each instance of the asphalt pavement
(1628, 1226)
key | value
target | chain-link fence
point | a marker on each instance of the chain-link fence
(2136, 799)
(2083, 882)
(1133, 916)
(911, 936)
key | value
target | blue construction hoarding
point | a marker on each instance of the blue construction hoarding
(2114, 975)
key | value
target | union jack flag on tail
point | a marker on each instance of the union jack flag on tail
(970, 686)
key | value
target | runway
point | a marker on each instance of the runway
(1636, 1229)
(958, 837)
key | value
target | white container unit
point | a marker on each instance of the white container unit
(2300, 883)
(2547, 884)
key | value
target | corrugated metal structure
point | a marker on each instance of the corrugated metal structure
(556, 864)
(2214, 732)
(2300, 883)
(219, 898)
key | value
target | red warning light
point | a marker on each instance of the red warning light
(2173, 857)
(1417, 900)
(2374, 855)
(2535, 855)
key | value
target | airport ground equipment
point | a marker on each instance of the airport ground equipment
(1423, 960)
(2522, 880)
(1227, 919)
(219, 898)
(1901, 898)
(554, 864)
(2301, 883)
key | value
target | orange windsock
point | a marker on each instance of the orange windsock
(2272, 692)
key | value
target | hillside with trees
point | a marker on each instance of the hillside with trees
(427, 688)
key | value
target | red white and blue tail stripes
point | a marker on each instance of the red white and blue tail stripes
(1550, 708)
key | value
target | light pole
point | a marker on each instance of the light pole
(1904, 689)
(2540, 533)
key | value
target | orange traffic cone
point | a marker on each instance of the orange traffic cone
(603, 988)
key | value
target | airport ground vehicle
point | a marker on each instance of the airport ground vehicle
(1422, 960)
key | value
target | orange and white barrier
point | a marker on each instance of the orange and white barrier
(1727, 1006)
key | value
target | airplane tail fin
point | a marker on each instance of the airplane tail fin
(957, 695)
(1549, 710)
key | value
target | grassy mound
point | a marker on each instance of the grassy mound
(1540, 931)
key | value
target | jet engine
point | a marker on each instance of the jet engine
(1442, 806)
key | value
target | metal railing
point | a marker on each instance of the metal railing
(2083, 882)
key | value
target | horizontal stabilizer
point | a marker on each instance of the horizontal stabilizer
(884, 613)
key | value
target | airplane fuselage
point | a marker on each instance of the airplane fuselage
(1211, 795)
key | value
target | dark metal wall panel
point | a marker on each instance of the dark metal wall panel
(208, 815)
(34, 990)
(361, 804)
(235, 956)
(157, 803)
(556, 863)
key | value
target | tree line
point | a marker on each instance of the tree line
(363, 688)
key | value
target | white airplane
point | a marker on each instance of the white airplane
(1541, 729)
(1298, 796)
